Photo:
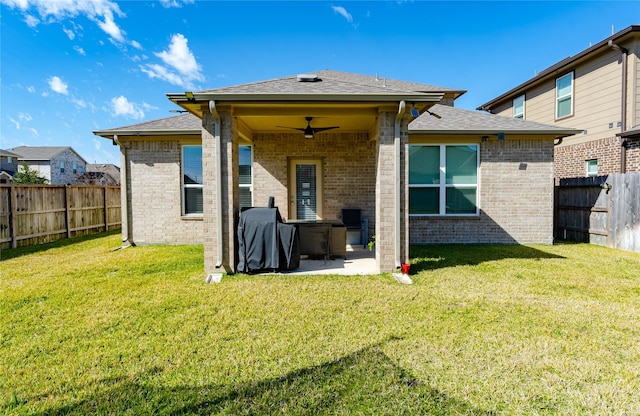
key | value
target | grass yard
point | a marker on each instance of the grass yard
(87, 329)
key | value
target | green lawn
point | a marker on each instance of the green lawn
(88, 329)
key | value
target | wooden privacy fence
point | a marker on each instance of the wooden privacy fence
(602, 210)
(35, 214)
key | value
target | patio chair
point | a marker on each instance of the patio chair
(352, 219)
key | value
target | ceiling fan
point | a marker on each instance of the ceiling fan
(310, 131)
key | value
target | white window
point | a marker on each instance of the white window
(75, 168)
(592, 167)
(61, 167)
(9, 159)
(564, 96)
(192, 180)
(245, 161)
(443, 179)
(518, 107)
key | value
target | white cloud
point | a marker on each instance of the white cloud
(180, 65)
(175, 3)
(343, 12)
(31, 21)
(160, 72)
(101, 12)
(57, 85)
(121, 106)
(79, 103)
(80, 50)
(31, 89)
(23, 118)
(149, 107)
(136, 44)
(180, 57)
(69, 33)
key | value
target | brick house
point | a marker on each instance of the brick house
(60, 165)
(596, 91)
(421, 170)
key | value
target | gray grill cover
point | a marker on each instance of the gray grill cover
(265, 243)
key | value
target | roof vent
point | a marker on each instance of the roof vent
(308, 78)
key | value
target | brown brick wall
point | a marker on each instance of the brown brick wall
(633, 155)
(348, 170)
(155, 194)
(570, 160)
(515, 199)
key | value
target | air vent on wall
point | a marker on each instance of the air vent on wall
(308, 78)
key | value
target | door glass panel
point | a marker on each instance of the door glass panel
(306, 204)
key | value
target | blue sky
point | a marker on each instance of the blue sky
(69, 67)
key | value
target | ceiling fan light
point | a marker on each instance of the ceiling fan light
(308, 131)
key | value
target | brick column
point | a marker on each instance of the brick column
(386, 207)
(228, 186)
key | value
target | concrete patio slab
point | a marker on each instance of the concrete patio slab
(359, 261)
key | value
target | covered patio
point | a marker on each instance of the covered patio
(320, 143)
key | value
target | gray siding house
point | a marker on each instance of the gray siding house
(8, 165)
(60, 165)
(419, 169)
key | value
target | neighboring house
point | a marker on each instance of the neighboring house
(60, 165)
(104, 174)
(420, 170)
(596, 91)
(8, 165)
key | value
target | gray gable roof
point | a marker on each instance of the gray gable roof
(458, 121)
(8, 153)
(333, 82)
(182, 124)
(42, 153)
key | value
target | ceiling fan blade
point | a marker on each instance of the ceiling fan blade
(292, 128)
(319, 129)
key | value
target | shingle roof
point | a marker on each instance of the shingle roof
(185, 123)
(332, 82)
(8, 153)
(456, 120)
(41, 152)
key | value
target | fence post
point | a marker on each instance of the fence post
(67, 205)
(13, 202)
(104, 201)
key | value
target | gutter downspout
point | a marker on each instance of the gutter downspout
(124, 194)
(216, 133)
(396, 145)
(623, 106)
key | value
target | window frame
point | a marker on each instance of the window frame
(588, 165)
(183, 186)
(62, 167)
(521, 114)
(74, 167)
(442, 186)
(569, 96)
(250, 185)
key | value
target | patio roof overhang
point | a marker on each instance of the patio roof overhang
(267, 113)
